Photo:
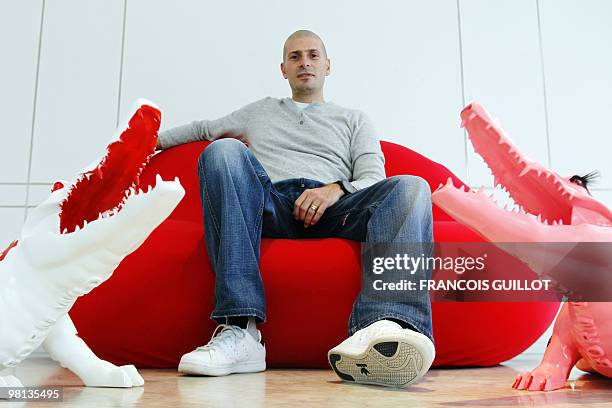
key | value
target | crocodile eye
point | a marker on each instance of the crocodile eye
(57, 185)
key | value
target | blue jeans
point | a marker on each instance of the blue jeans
(241, 205)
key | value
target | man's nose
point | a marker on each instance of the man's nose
(305, 62)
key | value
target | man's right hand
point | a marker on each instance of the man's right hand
(312, 203)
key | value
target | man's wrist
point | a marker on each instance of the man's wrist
(346, 187)
(336, 187)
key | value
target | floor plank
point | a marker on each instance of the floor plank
(466, 387)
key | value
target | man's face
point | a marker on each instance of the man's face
(305, 65)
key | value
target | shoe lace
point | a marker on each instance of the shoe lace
(223, 338)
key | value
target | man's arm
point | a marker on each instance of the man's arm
(234, 124)
(367, 157)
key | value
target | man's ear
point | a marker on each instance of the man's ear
(282, 68)
(328, 70)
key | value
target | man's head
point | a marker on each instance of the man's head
(305, 65)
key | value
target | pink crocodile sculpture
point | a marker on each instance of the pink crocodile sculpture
(552, 209)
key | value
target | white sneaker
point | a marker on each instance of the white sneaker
(231, 349)
(383, 353)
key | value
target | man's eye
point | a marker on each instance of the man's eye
(314, 56)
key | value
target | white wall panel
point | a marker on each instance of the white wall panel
(577, 39)
(78, 85)
(12, 195)
(19, 33)
(39, 193)
(11, 221)
(503, 71)
(396, 60)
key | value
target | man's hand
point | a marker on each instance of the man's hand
(312, 203)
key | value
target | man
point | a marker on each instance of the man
(312, 169)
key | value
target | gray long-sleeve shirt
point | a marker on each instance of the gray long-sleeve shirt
(323, 141)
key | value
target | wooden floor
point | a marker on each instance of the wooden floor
(474, 387)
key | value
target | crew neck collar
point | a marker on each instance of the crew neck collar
(290, 101)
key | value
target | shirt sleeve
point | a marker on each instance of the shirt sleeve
(367, 158)
(233, 124)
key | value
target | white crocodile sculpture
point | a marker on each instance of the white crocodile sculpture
(73, 242)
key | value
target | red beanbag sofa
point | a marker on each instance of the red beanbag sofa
(157, 304)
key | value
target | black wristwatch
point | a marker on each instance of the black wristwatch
(346, 186)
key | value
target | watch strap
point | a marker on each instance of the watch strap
(347, 187)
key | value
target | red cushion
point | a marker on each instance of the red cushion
(157, 304)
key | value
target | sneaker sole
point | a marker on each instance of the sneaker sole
(198, 369)
(392, 361)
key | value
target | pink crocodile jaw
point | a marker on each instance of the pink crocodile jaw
(480, 212)
(532, 186)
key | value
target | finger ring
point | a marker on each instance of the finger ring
(313, 207)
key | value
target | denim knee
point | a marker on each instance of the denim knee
(220, 152)
(411, 189)
(411, 183)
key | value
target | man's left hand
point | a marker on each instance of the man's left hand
(312, 203)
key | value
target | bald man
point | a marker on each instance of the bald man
(307, 169)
